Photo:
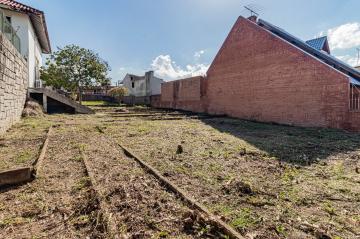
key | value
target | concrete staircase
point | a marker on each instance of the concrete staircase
(54, 102)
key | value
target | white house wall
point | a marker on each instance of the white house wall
(30, 47)
(139, 86)
(34, 55)
(155, 85)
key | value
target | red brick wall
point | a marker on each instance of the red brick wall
(167, 91)
(354, 119)
(189, 89)
(258, 76)
(183, 94)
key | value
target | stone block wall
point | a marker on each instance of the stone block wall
(13, 84)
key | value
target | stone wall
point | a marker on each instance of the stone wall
(13, 84)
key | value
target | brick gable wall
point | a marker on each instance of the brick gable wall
(256, 75)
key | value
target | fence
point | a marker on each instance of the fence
(9, 32)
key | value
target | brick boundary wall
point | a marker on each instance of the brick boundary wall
(185, 94)
(354, 121)
(13, 84)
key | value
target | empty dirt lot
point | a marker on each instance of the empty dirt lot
(265, 181)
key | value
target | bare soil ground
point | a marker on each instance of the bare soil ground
(266, 181)
(60, 203)
(19, 147)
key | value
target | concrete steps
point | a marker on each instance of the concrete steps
(54, 102)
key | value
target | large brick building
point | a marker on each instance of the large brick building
(263, 73)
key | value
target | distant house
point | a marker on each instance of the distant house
(26, 28)
(97, 90)
(142, 86)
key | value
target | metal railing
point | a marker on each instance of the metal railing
(9, 32)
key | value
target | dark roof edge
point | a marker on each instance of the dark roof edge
(327, 59)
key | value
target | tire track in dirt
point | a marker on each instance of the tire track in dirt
(139, 205)
(60, 203)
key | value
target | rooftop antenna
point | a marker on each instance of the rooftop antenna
(358, 60)
(252, 12)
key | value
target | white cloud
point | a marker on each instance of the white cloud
(198, 54)
(351, 60)
(345, 36)
(167, 69)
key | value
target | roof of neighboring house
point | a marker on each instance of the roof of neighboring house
(318, 43)
(37, 18)
(133, 77)
(320, 55)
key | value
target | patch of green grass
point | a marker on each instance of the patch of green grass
(245, 218)
(290, 174)
(222, 209)
(99, 103)
(81, 146)
(281, 230)
(162, 235)
(339, 170)
(13, 221)
(81, 221)
(84, 182)
(23, 157)
(329, 208)
(77, 158)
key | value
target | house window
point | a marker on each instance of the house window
(8, 18)
(133, 84)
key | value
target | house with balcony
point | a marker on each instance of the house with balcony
(26, 28)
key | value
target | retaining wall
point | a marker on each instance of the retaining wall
(13, 84)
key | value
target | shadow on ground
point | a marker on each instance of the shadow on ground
(296, 145)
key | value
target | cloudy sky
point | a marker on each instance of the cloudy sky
(179, 38)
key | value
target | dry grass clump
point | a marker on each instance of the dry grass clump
(33, 109)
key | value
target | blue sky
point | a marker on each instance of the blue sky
(179, 38)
